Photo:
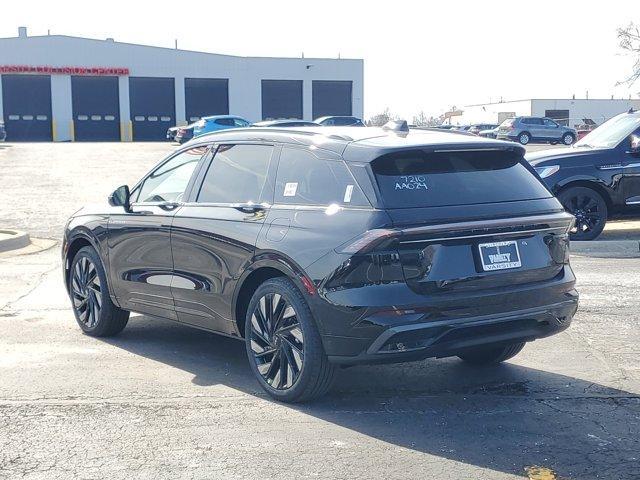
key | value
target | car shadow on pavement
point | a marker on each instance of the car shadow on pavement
(503, 418)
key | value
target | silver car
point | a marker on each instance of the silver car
(535, 129)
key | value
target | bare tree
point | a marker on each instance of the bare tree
(380, 119)
(629, 40)
(422, 120)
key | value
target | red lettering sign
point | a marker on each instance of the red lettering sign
(49, 70)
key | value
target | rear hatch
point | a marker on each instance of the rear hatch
(506, 126)
(467, 220)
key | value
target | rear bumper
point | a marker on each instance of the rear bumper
(417, 341)
(400, 325)
(502, 136)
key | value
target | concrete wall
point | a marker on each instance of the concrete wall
(244, 73)
(493, 112)
(599, 110)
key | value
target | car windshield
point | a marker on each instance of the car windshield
(611, 132)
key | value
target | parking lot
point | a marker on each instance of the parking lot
(165, 401)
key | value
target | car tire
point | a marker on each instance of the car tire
(95, 313)
(568, 139)
(590, 210)
(524, 138)
(283, 344)
(553, 142)
(491, 354)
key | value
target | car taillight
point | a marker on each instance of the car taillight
(367, 241)
(182, 131)
(373, 259)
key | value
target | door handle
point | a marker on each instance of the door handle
(169, 205)
(250, 207)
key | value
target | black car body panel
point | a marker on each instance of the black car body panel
(384, 283)
(613, 172)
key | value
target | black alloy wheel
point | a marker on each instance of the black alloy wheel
(95, 313)
(86, 292)
(277, 341)
(283, 343)
(590, 211)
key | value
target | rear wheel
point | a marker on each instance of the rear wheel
(283, 344)
(524, 138)
(590, 210)
(92, 306)
(489, 355)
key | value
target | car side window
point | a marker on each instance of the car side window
(550, 123)
(305, 179)
(237, 174)
(228, 122)
(169, 181)
(238, 122)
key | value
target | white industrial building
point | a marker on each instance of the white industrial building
(569, 112)
(63, 88)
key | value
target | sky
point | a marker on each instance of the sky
(418, 55)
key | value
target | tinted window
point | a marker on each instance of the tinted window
(237, 174)
(421, 179)
(532, 121)
(305, 179)
(343, 121)
(550, 123)
(225, 121)
(238, 122)
(169, 181)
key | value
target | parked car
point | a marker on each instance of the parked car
(181, 134)
(362, 246)
(339, 121)
(588, 125)
(490, 133)
(598, 176)
(292, 122)
(479, 127)
(218, 122)
(535, 129)
(3, 132)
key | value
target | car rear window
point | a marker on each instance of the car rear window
(417, 178)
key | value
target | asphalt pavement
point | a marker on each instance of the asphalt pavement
(165, 401)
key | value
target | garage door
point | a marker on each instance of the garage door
(281, 99)
(205, 96)
(96, 108)
(560, 116)
(331, 98)
(26, 101)
(153, 107)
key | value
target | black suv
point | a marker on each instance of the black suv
(331, 246)
(598, 177)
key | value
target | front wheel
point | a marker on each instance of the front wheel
(568, 139)
(283, 344)
(489, 355)
(590, 211)
(95, 313)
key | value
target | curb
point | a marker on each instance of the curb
(13, 240)
(607, 248)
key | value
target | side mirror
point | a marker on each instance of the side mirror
(634, 145)
(121, 198)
